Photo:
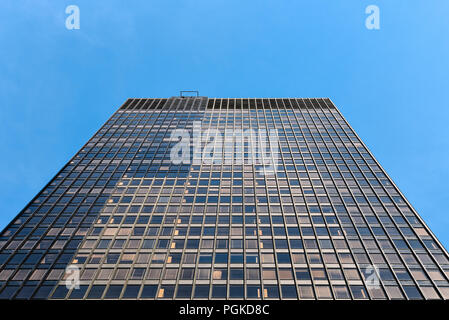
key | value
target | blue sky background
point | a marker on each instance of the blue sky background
(57, 86)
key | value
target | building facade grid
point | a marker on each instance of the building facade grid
(138, 226)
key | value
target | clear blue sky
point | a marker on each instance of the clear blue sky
(58, 86)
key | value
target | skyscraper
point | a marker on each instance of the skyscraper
(136, 214)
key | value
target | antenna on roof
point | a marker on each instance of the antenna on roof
(181, 93)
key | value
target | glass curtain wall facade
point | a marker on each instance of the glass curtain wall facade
(138, 226)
